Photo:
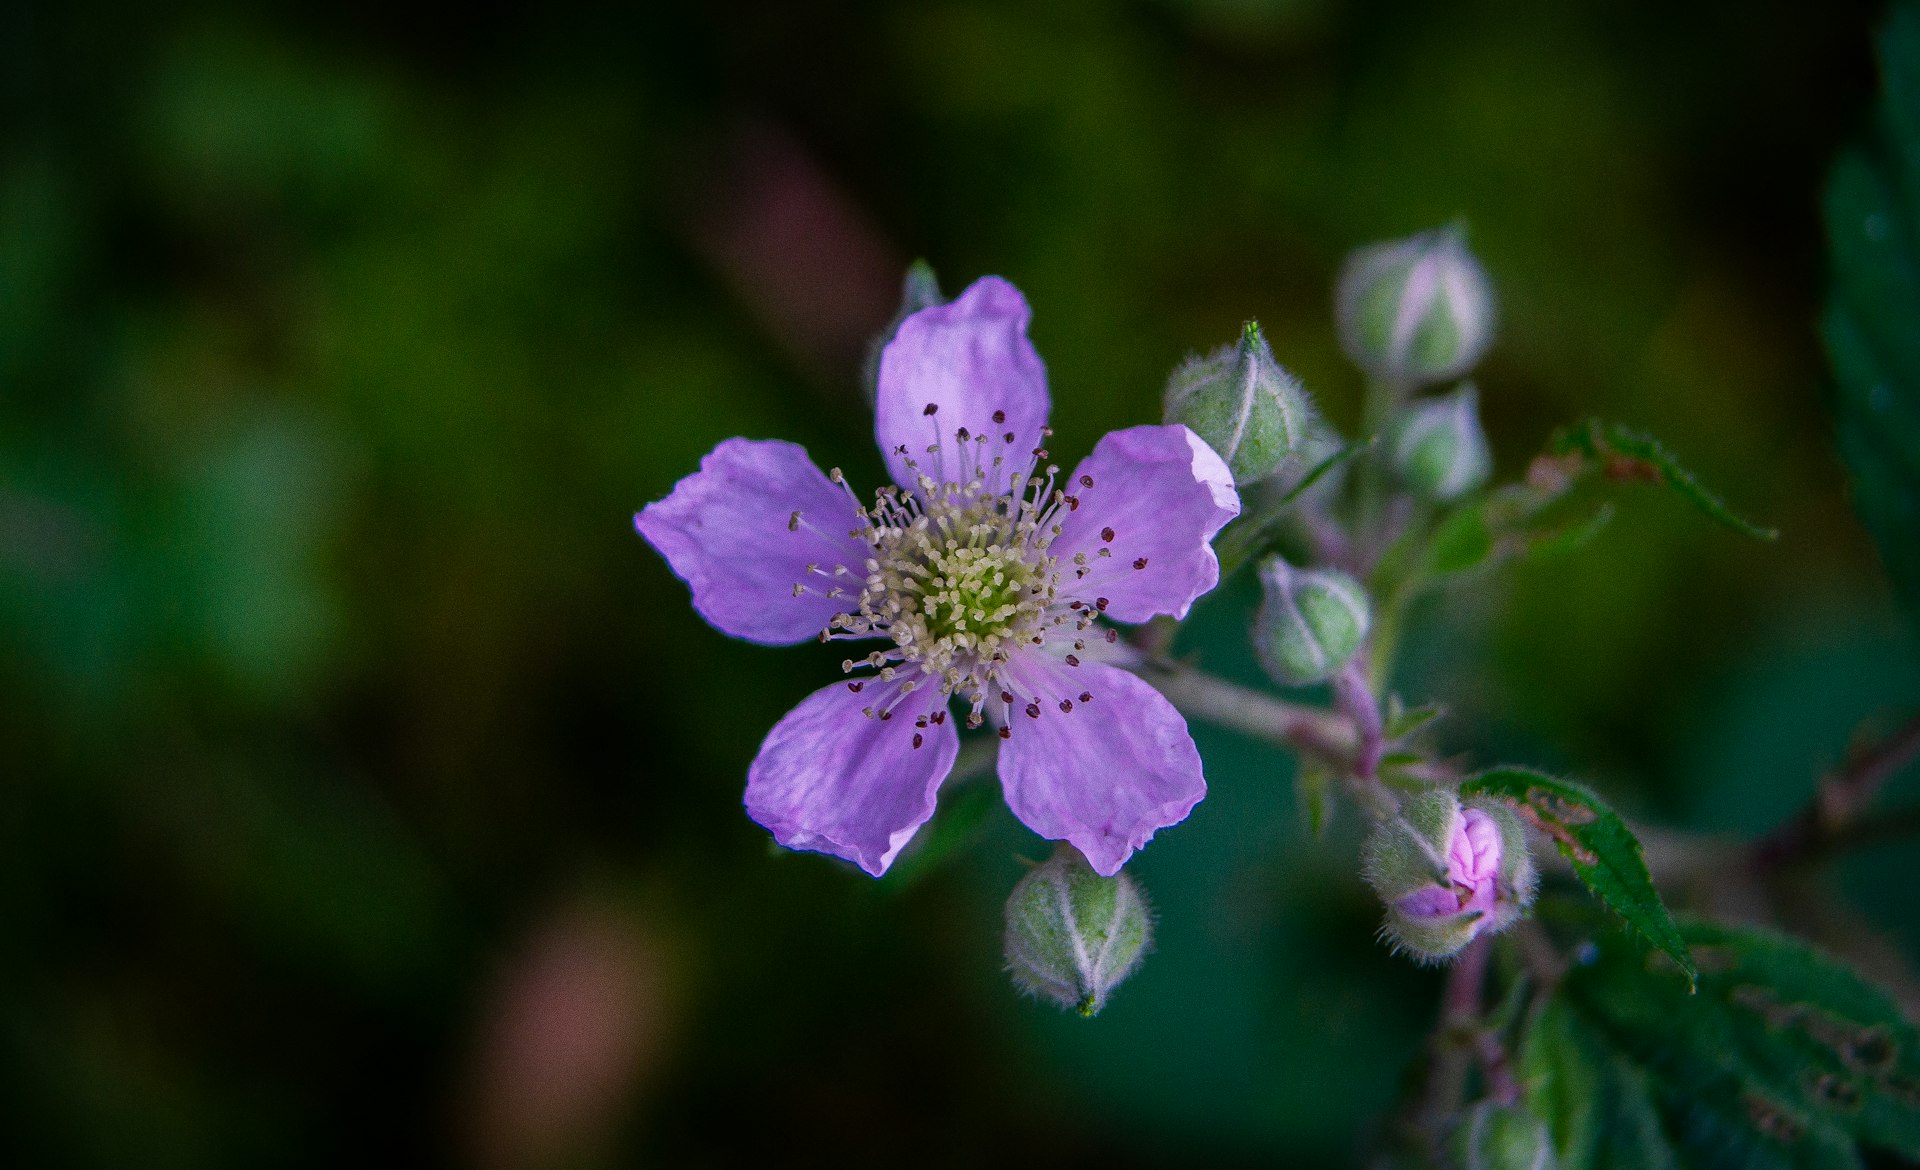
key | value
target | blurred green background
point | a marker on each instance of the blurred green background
(371, 791)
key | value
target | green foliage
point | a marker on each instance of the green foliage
(1625, 454)
(1785, 1058)
(1603, 852)
(1872, 318)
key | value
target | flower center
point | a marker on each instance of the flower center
(959, 585)
(958, 578)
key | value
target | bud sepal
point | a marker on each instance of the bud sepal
(1416, 310)
(1492, 1136)
(1072, 935)
(1241, 403)
(1311, 622)
(1439, 449)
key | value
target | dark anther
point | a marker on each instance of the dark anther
(1000, 416)
(1066, 705)
(1086, 696)
(855, 686)
(1006, 697)
(1033, 710)
(886, 714)
(1113, 635)
(1106, 534)
(1086, 481)
(1008, 436)
(1100, 603)
(918, 739)
(932, 408)
(1139, 562)
(1073, 660)
(920, 722)
(962, 434)
(1073, 503)
(1006, 733)
(939, 717)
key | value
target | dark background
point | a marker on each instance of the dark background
(370, 790)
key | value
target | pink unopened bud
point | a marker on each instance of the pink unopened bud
(1473, 871)
(1449, 873)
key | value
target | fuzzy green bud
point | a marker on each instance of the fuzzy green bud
(1492, 1136)
(1448, 872)
(1310, 622)
(1439, 450)
(920, 289)
(1415, 310)
(1072, 935)
(1243, 405)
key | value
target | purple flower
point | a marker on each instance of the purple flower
(983, 573)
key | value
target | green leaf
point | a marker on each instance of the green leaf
(1872, 319)
(1598, 1106)
(1604, 853)
(1463, 539)
(1785, 1057)
(1626, 454)
(1401, 723)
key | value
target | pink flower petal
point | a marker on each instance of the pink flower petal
(835, 779)
(963, 366)
(1102, 773)
(1158, 494)
(754, 521)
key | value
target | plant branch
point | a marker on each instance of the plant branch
(1314, 731)
(1829, 820)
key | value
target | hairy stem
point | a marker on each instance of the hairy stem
(1455, 1040)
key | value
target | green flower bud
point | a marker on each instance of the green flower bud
(1072, 935)
(1492, 1136)
(1439, 449)
(1310, 622)
(919, 290)
(1239, 400)
(1415, 310)
(1448, 872)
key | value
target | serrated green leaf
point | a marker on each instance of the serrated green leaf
(1623, 453)
(1785, 1056)
(1872, 320)
(1603, 852)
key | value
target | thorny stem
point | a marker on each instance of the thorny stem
(1831, 819)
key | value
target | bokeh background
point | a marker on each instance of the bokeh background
(369, 791)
